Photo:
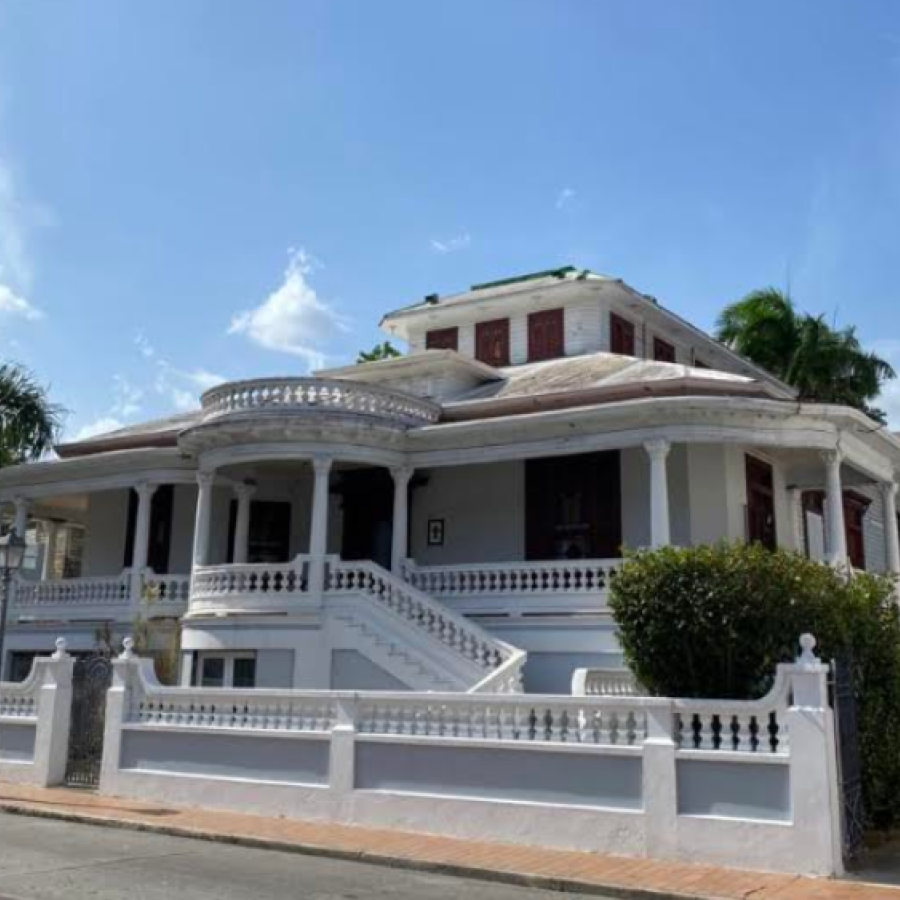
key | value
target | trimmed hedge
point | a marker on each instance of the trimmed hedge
(714, 621)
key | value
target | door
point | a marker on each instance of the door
(492, 342)
(855, 508)
(546, 335)
(367, 502)
(269, 534)
(761, 503)
(574, 507)
(621, 335)
(160, 537)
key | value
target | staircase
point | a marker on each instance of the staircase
(414, 637)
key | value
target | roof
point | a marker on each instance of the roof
(154, 433)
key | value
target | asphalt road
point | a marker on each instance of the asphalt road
(52, 860)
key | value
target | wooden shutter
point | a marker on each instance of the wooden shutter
(761, 503)
(621, 335)
(492, 342)
(546, 335)
(442, 339)
(855, 508)
(663, 351)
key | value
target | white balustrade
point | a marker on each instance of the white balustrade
(606, 683)
(463, 637)
(248, 584)
(166, 589)
(320, 395)
(111, 590)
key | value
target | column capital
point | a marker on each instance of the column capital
(832, 457)
(145, 489)
(402, 474)
(20, 501)
(658, 448)
(244, 490)
(888, 489)
(321, 465)
(205, 478)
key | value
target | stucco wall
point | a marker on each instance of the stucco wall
(104, 545)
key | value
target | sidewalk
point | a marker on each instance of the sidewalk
(554, 869)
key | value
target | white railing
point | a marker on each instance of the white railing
(166, 589)
(606, 683)
(519, 588)
(317, 394)
(464, 638)
(107, 590)
(249, 584)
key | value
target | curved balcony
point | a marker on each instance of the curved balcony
(317, 395)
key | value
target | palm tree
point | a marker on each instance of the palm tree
(824, 364)
(380, 351)
(29, 422)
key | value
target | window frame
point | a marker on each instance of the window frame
(629, 329)
(537, 319)
(481, 328)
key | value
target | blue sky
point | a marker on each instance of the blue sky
(200, 190)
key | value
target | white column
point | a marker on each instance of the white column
(51, 528)
(205, 482)
(23, 508)
(795, 505)
(889, 496)
(141, 551)
(318, 535)
(660, 528)
(834, 508)
(244, 494)
(400, 532)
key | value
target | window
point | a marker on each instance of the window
(546, 338)
(621, 335)
(160, 528)
(492, 342)
(442, 339)
(855, 508)
(663, 351)
(225, 670)
(761, 503)
(699, 364)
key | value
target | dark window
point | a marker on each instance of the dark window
(212, 671)
(663, 351)
(621, 333)
(244, 672)
(20, 663)
(442, 339)
(574, 506)
(269, 538)
(492, 342)
(546, 335)
(699, 364)
(855, 508)
(761, 503)
(160, 528)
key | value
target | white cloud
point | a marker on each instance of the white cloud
(564, 198)
(292, 319)
(98, 426)
(14, 305)
(889, 400)
(128, 397)
(452, 245)
(180, 387)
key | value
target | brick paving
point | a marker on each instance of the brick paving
(587, 872)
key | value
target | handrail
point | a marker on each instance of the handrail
(103, 590)
(317, 394)
(213, 582)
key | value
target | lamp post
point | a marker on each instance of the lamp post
(12, 555)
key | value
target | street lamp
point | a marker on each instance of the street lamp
(12, 555)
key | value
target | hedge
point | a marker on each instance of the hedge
(714, 621)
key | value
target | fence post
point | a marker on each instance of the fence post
(341, 778)
(660, 790)
(815, 798)
(54, 711)
(124, 668)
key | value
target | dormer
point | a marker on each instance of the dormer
(559, 313)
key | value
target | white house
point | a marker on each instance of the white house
(447, 520)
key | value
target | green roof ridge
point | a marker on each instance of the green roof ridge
(531, 276)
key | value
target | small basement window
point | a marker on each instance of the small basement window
(225, 670)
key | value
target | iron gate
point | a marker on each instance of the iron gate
(853, 818)
(90, 681)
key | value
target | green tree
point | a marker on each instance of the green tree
(29, 422)
(385, 350)
(824, 364)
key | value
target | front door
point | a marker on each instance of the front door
(761, 503)
(574, 506)
(367, 497)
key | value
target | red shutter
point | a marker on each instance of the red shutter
(855, 507)
(442, 339)
(492, 342)
(621, 335)
(545, 335)
(663, 351)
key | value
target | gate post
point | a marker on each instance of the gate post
(116, 707)
(51, 743)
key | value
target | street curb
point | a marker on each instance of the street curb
(544, 882)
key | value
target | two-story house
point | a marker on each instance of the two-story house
(449, 519)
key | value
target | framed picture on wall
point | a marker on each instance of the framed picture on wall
(435, 532)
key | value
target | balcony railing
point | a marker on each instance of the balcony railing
(565, 587)
(317, 395)
(249, 586)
